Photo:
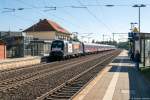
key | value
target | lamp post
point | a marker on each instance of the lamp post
(139, 8)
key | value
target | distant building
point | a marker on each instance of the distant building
(16, 43)
(47, 30)
(34, 41)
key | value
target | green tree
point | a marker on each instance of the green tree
(123, 45)
(93, 41)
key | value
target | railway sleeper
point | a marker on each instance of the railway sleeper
(49, 98)
(9, 88)
(67, 90)
(60, 96)
(74, 85)
(77, 85)
(4, 83)
(73, 88)
(81, 82)
(74, 81)
(78, 81)
(71, 91)
(65, 94)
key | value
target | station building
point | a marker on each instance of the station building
(43, 33)
(47, 30)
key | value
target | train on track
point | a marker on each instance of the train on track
(62, 49)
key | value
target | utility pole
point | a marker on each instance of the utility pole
(113, 37)
(89, 39)
(103, 37)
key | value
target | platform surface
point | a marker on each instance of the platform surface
(118, 81)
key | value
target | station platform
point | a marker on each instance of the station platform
(19, 62)
(118, 81)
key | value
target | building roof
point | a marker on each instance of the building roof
(46, 25)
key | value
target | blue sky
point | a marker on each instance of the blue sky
(98, 20)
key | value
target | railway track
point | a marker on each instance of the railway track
(71, 87)
(22, 79)
(20, 83)
(10, 73)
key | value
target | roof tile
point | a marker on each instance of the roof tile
(46, 25)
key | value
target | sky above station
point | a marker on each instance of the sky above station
(90, 18)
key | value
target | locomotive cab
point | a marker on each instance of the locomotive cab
(57, 49)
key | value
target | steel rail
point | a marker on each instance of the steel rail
(44, 96)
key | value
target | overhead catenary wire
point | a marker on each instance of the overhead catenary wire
(25, 3)
(65, 20)
(83, 27)
(81, 6)
(70, 6)
(96, 18)
(29, 7)
(62, 19)
(103, 13)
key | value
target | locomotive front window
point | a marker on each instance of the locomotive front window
(57, 44)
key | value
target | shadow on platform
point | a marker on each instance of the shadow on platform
(138, 86)
(119, 59)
